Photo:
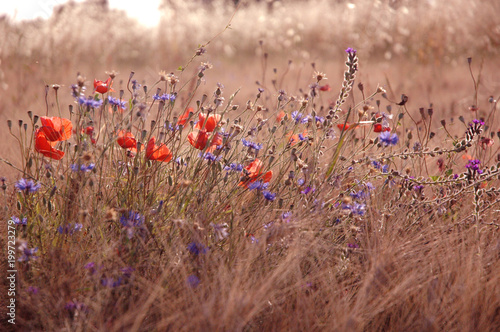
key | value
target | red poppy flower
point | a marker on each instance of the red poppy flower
(184, 117)
(45, 147)
(210, 123)
(126, 139)
(89, 131)
(253, 172)
(341, 126)
(378, 128)
(199, 140)
(103, 87)
(325, 87)
(55, 128)
(280, 116)
(158, 152)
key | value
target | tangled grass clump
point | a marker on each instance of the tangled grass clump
(155, 208)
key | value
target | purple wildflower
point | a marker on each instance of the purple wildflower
(28, 186)
(82, 168)
(27, 254)
(18, 221)
(307, 190)
(269, 196)
(131, 221)
(69, 229)
(165, 97)
(251, 145)
(197, 248)
(32, 289)
(117, 102)
(193, 281)
(209, 156)
(350, 51)
(386, 138)
(89, 102)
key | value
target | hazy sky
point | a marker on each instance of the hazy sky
(146, 11)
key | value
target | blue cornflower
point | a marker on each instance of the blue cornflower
(369, 186)
(307, 190)
(385, 169)
(259, 185)
(193, 281)
(89, 102)
(269, 196)
(299, 117)
(82, 168)
(165, 97)
(386, 138)
(209, 156)
(360, 195)
(352, 245)
(178, 161)
(117, 102)
(27, 186)
(286, 216)
(355, 208)
(18, 221)
(69, 229)
(234, 167)
(131, 221)
(27, 254)
(111, 283)
(300, 182)
(197, 248)
(319, 119)
(252, 145)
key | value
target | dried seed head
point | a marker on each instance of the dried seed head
(111, 215)
(112, 74)
(319, 76)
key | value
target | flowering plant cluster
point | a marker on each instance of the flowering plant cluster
(170, 189)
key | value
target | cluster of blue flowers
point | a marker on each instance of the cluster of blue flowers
(299, 117)
(27, 186)
(379, 166)
(234, 167)
(197, 248)
(252, 145)
(18, 221)
(69, 229)
(387, 139)
(117, 102)
(27, 253)
(165, 97)
(131, 221)
(89, 102)
(82, 168)
(209, 156)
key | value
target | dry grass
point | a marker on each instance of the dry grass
(411, 260)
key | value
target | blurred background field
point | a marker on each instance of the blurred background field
(417, 48)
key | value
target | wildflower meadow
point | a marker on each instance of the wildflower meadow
(323, 193)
